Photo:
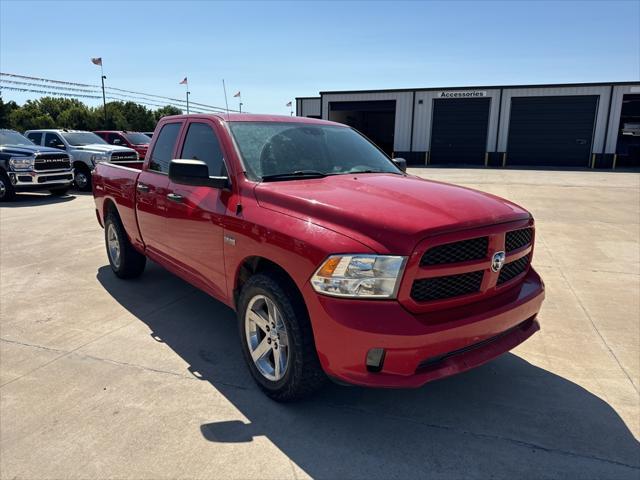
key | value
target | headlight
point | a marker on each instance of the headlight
(361, 276)
(99, 158)
(22, 163)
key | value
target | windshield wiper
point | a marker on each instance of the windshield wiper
(296, 174)
(351, 172)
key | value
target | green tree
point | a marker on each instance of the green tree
(166, 111)
(5, 112)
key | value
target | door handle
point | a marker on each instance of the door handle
(142, 187)
(174, 197)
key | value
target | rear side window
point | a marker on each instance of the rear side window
(35, 137)
(201, 143)
(162, 152)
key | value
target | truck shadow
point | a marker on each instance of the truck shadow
(34, 199)
(500, 420)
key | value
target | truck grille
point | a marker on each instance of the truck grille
(52, 161)
(513, 269)
(438, 288)
(124, 157)
(517, 239)
(463, 251)
(463, 267)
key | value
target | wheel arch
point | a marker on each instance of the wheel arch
(255, 264)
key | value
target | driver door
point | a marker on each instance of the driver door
(198, 213)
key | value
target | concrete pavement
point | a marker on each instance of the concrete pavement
(144, 379)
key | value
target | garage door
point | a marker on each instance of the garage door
(551, 131)
(375, 119)
(459, 131)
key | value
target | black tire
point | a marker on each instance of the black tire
(82, 179)
(130, 263)
(7, 192)
(303, 374)
(59, 192)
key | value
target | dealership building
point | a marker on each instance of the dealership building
(593, 125)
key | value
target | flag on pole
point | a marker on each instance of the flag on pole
(237, 94)
(97, 61)
(289, 104)
(184, 82)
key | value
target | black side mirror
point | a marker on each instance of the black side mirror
(401, 163)
(196, 173)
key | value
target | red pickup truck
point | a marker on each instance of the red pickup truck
(338, 263)
(135, 140)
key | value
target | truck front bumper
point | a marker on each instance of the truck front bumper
(419, 348)
(33, 180)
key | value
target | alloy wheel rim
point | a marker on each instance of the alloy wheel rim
(81, 180)
(113, 245)
(3, 188)
(267, 337)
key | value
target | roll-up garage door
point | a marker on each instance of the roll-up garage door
(554, 131)
(459, 131)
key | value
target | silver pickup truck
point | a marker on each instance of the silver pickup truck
(86, 148)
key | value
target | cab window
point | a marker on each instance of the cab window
(35, 137)
(162, 153)
(201, 143)
(53, 140)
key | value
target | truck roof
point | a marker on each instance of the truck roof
(254, 117)
(68, 130)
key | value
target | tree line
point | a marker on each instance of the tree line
(53, 112)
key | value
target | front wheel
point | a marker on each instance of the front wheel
(125, 261)
(82, 179)
(277, 340)
(7, 192)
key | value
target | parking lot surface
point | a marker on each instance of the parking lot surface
(144, 379)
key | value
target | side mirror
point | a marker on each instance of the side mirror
(196, 173)
(401, 163)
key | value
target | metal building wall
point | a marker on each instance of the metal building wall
(308, 107)
(402, 130)
(601, 116)
(616, 110)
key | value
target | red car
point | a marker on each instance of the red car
(136, 140)
(337, 262)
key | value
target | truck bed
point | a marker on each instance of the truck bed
(117, 183)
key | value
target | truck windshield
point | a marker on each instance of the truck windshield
(9, 137)
(137, 138)
(282, 151)
(77, 139)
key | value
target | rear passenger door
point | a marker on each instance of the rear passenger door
(152, 191)
(197, 213)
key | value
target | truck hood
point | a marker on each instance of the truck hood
(27, 150)
(101, 148)
(388, 213)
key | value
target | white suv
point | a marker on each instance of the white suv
(86, 149)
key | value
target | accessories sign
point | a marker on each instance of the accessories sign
(463, 94)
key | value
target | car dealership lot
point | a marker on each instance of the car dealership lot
(145, 379)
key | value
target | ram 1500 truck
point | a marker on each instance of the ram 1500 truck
(337, 262)
(86, 148)
(25, 166)
(135, 140)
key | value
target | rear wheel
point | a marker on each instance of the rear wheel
(125, 261)
(7, 192)
(82, 178)
(277, 341)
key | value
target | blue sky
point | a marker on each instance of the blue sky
(275, 51)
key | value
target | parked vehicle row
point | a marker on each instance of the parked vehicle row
(30, 162)
(337, 262)
(28, 167)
